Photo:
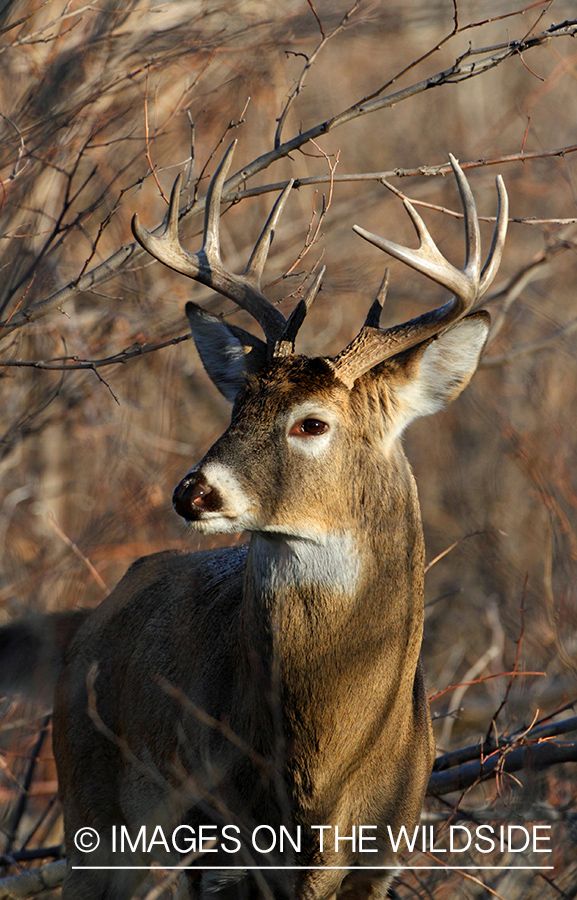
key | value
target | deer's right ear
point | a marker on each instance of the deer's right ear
(228, 353)
(434, 373)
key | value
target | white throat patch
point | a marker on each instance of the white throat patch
(326, 561)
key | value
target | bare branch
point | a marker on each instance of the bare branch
(426, 170)
(468, 764)
(534, 756)
(325, 38)
(27, 855)
(25, 18)
(33, 881)
(465, 67)
(71, 363)
(454, 687)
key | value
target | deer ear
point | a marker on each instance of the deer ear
(228, 353)
(437, 371)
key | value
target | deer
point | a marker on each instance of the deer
(275, 684)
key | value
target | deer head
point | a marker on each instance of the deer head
(297, 423)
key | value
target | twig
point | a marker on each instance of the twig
(72, 363)
(325, 38)
(464, 68)
(147, 142)
(23, 799)
(314, 228)
(78, 552)
(25, 18)
(436, 695)
(443, 553)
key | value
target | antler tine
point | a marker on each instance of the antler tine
(285, 346)
(166, 246)
(314, 289)
(467, 284)
(426, 259)
(206, 265)
(256, 263)
(211, 236)
(374, 314)
(498, 242)
(472, 234)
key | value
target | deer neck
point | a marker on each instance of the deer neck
(323, 609)
(372, 552)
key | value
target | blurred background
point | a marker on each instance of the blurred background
(101, 106)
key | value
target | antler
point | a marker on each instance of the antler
(373, 345)
(206, 266)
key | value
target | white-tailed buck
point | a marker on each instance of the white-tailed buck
(269, 689)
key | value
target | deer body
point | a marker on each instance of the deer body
(309, 627)
(278, 683)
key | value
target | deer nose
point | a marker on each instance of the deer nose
(193, 496)
(197, 494)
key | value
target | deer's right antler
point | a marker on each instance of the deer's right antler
(207, 267)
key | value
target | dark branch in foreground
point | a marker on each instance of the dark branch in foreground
(19, 856)
(535, 749)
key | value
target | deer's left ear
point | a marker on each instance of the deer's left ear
(228, 353)
(434, 373)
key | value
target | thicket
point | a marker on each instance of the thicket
(104, 404)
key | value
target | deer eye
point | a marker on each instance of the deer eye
(310, 427)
